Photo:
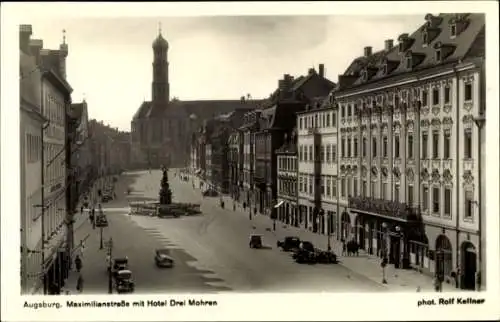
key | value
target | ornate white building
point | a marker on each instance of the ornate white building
(409, 149)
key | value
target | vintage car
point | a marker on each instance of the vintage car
(326, 257)
(163, 258)
(305, 256)
(289, 243)
(304, 245)
(101, 221)
(124, 282)
(255, 241)
(119, 264)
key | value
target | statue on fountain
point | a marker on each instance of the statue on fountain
(165, 192)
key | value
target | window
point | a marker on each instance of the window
(446, 95)
(328, 154)
(384, 191)
(342, 187)
(425, 140)
(301, 182)
(311, 158)
(323, 189)
(447, 202)
(334, 187)
(408, 63)
(328, 186)
(322, 153)
(468, 145)
(410, 146)
(424, 98)
(409, 197)
(453, 30)
(342, 111)
(328, 119)
(435, 96)
(374, 147)
(334, 153)
(342, 148)
(384, 146)
(435, 200)
(396, 193)
(364, 148)
(355, 187)
(311, 191)
(364, 188)
(435, 145)
(468, 92)
(469, 203)
(300, 153)
(372, 189)
(438, 55)
(425, 198)
(355, 141)
(446, 144)
(349, 111)
(349, 154)
(396, 146)
(349, 187)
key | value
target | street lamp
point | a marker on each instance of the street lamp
(384, 252)
(328, 226)
(480, 120)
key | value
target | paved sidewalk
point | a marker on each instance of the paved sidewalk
(398, 280)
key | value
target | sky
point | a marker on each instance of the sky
(210, 57)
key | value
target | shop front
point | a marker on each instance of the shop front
(390, 230)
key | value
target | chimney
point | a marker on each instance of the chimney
(389, 43)
(25, 32)
(35, 46)
(368, 51)
(321, 70)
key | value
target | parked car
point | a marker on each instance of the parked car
(304, 256)
(163, 259)
(124, 282)
(119, 264)
(101, 221)
(326, 257)
(255, 241)
(304, 245)
(289, 243)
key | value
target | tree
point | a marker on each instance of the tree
(165, 192)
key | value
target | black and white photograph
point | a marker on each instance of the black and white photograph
(221, 154)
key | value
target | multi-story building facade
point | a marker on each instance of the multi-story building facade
(287, 181)
(409, 156)
(276, 119)
(317, 167)
(235, 158)
(31, 123)
(46, 231)
(250, 126)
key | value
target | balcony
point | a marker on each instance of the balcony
(385, 208)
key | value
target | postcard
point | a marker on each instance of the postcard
(265, 161)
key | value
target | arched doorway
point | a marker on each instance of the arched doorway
(359, 224)
(444, 257)
(469, 266)
(345, 226)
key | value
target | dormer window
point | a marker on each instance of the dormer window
(453, 30)
(401, 47)
(438, 55)
(408, 62)
(364, 75)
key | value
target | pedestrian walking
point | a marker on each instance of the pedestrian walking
(81, 209)
(79, 284)
(78, 263)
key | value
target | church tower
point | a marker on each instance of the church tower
(160, 86)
